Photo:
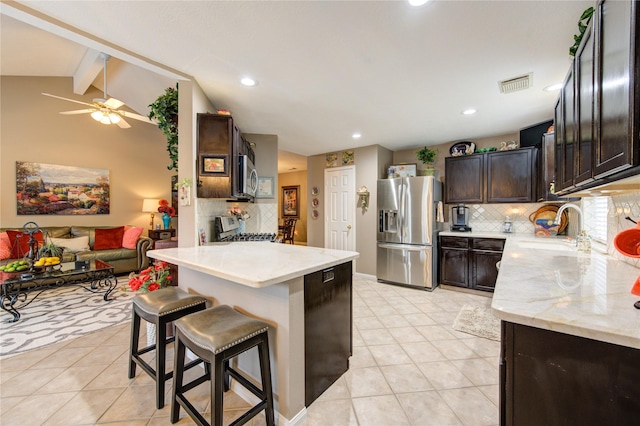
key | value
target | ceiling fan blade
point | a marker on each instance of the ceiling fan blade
(67, 99)
(78, 111)
(136, 117)
(113, 103)
(123, 124)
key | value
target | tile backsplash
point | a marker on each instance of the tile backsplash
(489, 218)
(264, 216)
(621, 206)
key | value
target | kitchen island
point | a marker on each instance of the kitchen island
(267, 281)
(570, 335)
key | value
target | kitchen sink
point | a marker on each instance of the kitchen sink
(543, 244)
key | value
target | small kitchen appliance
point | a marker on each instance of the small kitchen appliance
(460, 218)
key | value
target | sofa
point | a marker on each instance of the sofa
(123, 259)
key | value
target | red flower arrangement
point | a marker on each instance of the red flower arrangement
(151, 279)
(166, 208)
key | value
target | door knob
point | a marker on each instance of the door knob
(348, 226)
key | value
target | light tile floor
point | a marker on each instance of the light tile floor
(409, 367)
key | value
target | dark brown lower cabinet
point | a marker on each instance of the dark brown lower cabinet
(470, 262)
(327, 327)
(454, 261)
(551, 378)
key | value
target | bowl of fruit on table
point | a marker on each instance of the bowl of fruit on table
(46, 262)
(15, 266)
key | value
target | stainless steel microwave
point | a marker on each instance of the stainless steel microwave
(247, 182)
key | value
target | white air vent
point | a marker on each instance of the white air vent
(517, 83)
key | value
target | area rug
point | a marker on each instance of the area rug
(61, 314)
(479, 321)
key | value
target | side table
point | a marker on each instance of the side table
(162, 234)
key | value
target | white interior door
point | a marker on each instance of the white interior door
(340, 199)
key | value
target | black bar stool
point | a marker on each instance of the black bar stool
(159, 307)
(217, 335)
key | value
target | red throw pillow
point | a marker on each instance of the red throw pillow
(108, 238)
(5, 246)
(20, 242)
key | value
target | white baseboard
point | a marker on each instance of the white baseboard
(366, 276)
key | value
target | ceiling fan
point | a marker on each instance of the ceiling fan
(105, 110)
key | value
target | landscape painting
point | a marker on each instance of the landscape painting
(49, 189)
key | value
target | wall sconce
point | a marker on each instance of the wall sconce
(363, 198)
(150, 205)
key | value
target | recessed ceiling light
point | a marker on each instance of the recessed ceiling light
(417, 2)
(247, 81)
(553, 87)
(356, 135)
(469, 111)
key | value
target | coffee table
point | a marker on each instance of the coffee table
(95, 276)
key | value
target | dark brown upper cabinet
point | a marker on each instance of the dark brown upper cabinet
(215, 147)
(598, 110)
(511, 176)
(464, 179)
(494, 177)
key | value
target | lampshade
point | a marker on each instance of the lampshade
(150, 205)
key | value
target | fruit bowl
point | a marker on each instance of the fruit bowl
(15, 267)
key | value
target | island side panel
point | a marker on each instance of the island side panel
(281, 306)
(555, 378)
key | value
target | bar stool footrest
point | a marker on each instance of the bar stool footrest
(246, 383)
(191, 410)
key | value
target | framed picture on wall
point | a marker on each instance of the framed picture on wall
(290, 204)
(402, 170)
(265, 187)
(213, 165)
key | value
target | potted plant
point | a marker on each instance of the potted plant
(49, 249)
(165, 111)
(428, 157)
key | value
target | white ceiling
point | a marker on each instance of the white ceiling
(399, 75)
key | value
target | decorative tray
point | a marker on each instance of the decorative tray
(462, 148)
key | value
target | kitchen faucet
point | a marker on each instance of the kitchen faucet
(583, 241)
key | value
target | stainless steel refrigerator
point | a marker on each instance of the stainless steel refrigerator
(407, 231)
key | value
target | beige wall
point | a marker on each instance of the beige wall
(191, 101)
(32, 130)
(294, 179)
(371, 163)
(266, 150)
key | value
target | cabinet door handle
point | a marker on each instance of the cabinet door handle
(348, 227)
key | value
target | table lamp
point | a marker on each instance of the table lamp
(150, 205)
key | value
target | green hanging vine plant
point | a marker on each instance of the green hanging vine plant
(583, 23)
(164, 111)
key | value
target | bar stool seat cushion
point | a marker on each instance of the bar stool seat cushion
(166, 301)
(219, 328)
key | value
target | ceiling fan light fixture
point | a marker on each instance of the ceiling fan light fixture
(97, 115)
(115, 118)
(106, 117)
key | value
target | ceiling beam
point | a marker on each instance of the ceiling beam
(87, 71)
(40, 20)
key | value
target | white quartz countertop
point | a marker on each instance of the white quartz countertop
(255, 264)
(546, 283)
(476, 234)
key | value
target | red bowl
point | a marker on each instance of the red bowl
(627, 242)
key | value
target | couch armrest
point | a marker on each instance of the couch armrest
(143, 244)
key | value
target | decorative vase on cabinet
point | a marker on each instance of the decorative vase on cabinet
(166, 220)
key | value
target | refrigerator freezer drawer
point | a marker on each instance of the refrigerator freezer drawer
(406, 264)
